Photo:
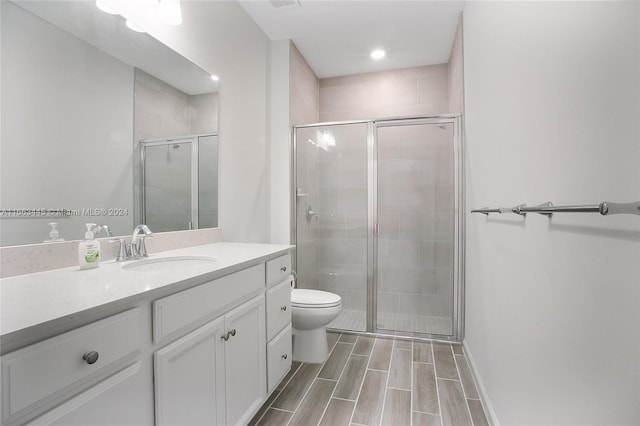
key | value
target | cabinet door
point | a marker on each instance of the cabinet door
(190, 378)
(117, 400)
(245, 354)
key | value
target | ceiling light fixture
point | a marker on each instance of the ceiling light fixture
(170, 12)
(378, 54)
(106, 6)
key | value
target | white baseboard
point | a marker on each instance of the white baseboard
(484, 397)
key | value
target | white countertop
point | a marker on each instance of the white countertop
(34, 301)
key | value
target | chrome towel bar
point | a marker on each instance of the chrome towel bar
(605, 208)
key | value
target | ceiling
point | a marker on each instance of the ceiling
(336, 36)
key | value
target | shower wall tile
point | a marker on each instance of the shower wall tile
(352, 173)
(385, 90)
(443, 226)
(397, 253)
(388, 302)
(444, 278)
(304, 90)
(331, 225)
(356, 225)
(350, 251)
(351, 200)
(408, 280)
(388, 224)
(341, 98)
(411, 91)
(443, 254)
(356, 300)
(410, 199)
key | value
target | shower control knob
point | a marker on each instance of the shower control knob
(284, 308)
(91, 357)
(283, 269)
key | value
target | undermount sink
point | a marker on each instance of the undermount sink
(168, 263)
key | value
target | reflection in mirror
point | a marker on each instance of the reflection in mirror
(79, 93)
(178, 189)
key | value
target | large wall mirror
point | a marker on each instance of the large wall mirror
(100, 124)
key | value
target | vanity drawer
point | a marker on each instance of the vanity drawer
(182, 312)
(278, 358)
(278, 308)
(47, 371)
(278, 269)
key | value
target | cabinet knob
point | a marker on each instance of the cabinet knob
(225, 337)
(91, 357)
(283, 269)
(233, 332)
(284, 308)
(284, 356)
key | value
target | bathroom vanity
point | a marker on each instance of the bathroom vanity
(176, 341)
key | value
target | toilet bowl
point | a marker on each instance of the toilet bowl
(311, 311)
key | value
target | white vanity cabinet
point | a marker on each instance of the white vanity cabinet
(278, 293)
(216, 374)
(210, 354)
(92, 374)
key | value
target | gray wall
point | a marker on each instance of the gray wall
(552, 110)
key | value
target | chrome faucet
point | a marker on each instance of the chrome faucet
(102, 228)
(138, 248)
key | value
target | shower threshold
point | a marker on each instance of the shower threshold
(355, 320)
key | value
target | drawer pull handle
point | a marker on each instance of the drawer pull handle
(284, 308)
(284, 356)
(229, 333)
(91, 357)
(283, 269)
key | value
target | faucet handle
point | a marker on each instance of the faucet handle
(124, 252)
(142, 248)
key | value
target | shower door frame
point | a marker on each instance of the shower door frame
(195, 161)
(372, 219)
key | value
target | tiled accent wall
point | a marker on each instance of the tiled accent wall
(28, 259)
(415, 218)
(410, 91)
(304, 90)
(456, 83)
(304, 110)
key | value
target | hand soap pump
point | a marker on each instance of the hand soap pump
(89, 250)
(54, 235)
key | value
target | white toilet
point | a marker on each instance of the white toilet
(311, 311)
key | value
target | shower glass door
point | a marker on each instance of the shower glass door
(415, 191)
(331, 213)
(377, 208)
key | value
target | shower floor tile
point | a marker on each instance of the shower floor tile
(371, 393)
(357, 321)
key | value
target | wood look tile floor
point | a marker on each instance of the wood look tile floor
(377, 382)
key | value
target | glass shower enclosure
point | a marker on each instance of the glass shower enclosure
(377, 209)
(178, 183)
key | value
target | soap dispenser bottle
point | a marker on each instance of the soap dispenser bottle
(89, 250)
(54, 235)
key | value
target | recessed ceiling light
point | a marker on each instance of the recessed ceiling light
(214, 77)
(378, 53)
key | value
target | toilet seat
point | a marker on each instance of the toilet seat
(305, 298)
